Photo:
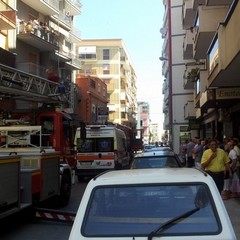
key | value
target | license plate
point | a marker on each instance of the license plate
(86, 163)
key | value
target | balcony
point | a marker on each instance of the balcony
(165, 67)
(37, 37)
(196, 3)
(191, 73)
(189, 110)
(74, 63)
(197, 97)
(218, 2)
(64, 53)
(188, 15)
(188, 44)
(208, 100)
(165, 108)
(7, 17)
(75, 35)
(164, 87)
(205, 28)
(166, 123)
(224, 54)
(111, 107)
(63, 18)
(46, 7)
(32, 68)
(123, 97)
(198, 113)
(111, 87)
(73, 7)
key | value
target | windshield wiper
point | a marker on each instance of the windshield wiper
(172, 222)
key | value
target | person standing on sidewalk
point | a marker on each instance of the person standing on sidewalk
(236, 148)
(234, 181)
(214, 160)
(198, 152)
(190, 160)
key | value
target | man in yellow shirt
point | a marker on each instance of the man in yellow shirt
(214, 160)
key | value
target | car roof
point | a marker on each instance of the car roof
(155, 153)
(151, 175)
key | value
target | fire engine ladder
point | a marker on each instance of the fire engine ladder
(21, 85)
(18, 136)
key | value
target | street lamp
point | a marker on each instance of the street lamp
(163, 59)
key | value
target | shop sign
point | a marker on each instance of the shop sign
(227, 93)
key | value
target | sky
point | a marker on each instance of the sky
(137, 22)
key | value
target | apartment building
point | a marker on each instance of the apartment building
(109, 60)
(143, 121)
(39, 40)
(155, 134)
(176, 97)
(93, 104)
(210, 52)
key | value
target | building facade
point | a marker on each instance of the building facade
(210, 53)
(38, 39)
(143, 122)
(173, 66)
(108, 59)
(93, 104)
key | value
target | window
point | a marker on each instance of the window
(104, 145)
(106, 55)
(88, 56)
(213, 55)
(106, 69)
(95, 145)
(92, 84)
(99, 87)
(87, 145)
(198, 86)
(104, 92)
(116, 211)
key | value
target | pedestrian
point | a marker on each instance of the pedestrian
(190, 160)
(198, 152)
(234, 181)
(183, 152)
(214, 160)
(226, 193)
(236, 148)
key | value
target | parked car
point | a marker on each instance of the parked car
(154, 149)
(165, 203)
(158, 159)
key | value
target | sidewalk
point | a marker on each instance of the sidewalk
(233, 208)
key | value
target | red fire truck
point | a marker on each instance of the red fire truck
(36, 160)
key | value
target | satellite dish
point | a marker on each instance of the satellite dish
(163, 31)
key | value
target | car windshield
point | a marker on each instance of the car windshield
(155, 162)
(137, 210)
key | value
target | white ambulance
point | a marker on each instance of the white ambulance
(103, 148)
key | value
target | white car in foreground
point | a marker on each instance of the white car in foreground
(175, 203)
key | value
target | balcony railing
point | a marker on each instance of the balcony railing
(37, 34)
(32, 68)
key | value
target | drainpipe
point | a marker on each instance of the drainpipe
(170, 100)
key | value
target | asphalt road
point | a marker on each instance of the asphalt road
(233, 208)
